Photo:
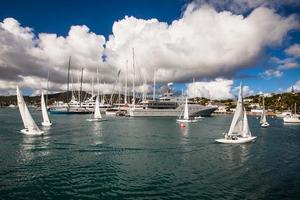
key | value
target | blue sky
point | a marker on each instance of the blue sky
(99, 16)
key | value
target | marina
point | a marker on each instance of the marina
(150, 100)
(136, 158)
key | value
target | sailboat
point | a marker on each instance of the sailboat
(239, 131)
(30, 127)
(97, 115)
(294, 118)
(46, 121)
(263, 119)
(186, 118)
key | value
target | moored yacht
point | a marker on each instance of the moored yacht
(169, 106)
(293, 118)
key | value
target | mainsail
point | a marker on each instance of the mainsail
(186, 110)
(44, 109)
(26, 116)
(236, 127)
(21, 105)
(32, 127)
(239, 124)
(246, 131)
(97, 114)
(263, 118)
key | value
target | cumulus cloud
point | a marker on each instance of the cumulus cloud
(295, 86)
(271, 73)
(216, 89)
(285, 64)
(26, 58)
(203, 43)
(242, 6)
(293, 50)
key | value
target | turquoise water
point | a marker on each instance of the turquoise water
(146, 158)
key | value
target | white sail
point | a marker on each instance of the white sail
(21, 105)
(32, 127)
(186, 110)
(97, 114)
(236, 126)
(263, 118)
(239, 131)
(246, 131)
(44, 111)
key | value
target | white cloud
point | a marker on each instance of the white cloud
(203, 43)
(216, 89)
(293, 50)
(271, 73)
(285, 64)
(25, 59)
(246, 91)
(295, 86)
(242, 6)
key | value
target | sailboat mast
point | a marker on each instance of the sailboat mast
(126, 82)
(92, 86)
(133, 82)
(119, 95)
(68, 99)
(97, 81)
(80, 87)
(154, 80)
(194, 89)
(47, 86)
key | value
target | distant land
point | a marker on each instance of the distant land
(279, 102)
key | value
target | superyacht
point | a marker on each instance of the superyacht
(169, 106)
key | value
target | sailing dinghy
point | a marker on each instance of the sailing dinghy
(239, 131)
(30, 127)
(46, 121)
(186, 118)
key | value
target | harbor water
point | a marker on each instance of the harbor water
(146, 158)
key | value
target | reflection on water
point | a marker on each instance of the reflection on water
(34, 146)
(146, 158)
(184, 129)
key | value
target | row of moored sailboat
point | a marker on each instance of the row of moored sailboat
(31, 128)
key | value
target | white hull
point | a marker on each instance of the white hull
(110, 113)
(186, 120)
(238, 140)
(264, 125)
(292, 119)
(194, 111)
(46, 123)
(96, 120)
(26, 132)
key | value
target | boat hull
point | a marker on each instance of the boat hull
(265, 125)
(96, 120)
(239, 140)
(46, 124)
(186, 120)
(70, 112)
(200, 111)
(292, 119)
(27, 132)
